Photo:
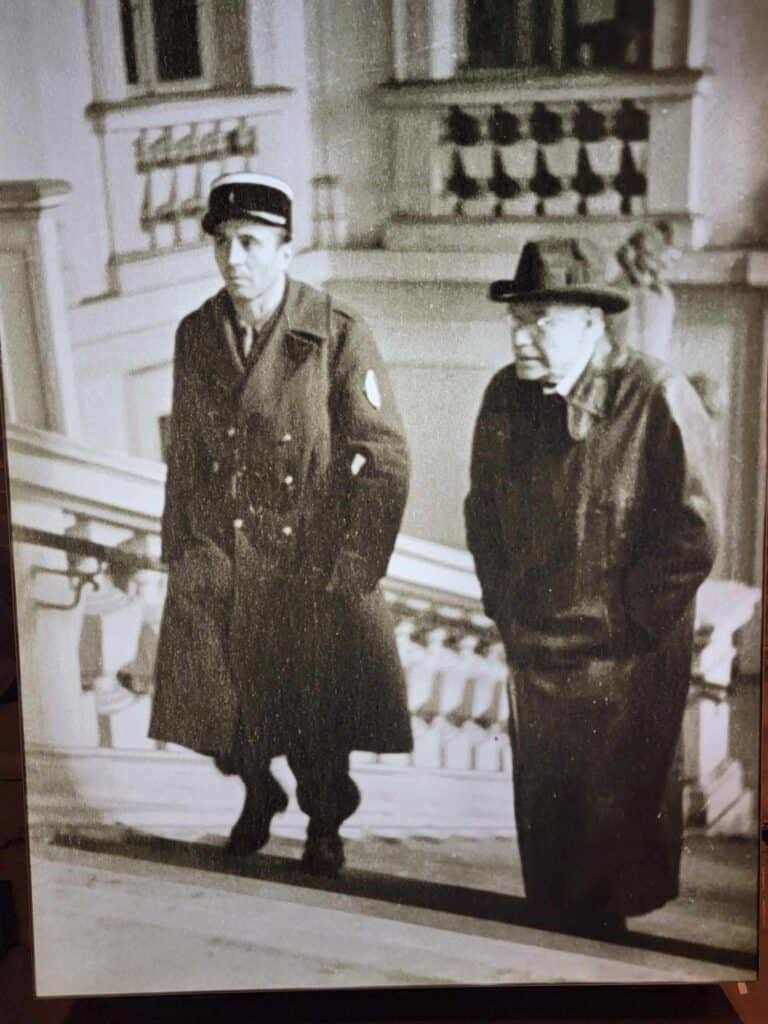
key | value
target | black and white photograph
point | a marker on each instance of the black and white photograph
(385, 403)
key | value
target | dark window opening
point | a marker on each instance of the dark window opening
(559, 34)
(177, 42)
(129, 42)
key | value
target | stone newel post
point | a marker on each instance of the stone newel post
(37, 354)
(40, 392)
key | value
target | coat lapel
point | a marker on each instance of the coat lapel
(592, 394)
(226, 369)
(296, 337)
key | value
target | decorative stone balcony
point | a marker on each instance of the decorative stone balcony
(160, 158)
(481, 162)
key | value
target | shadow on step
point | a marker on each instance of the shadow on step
(480, 904)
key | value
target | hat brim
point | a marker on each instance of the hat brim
(213, 218)
(610, 300)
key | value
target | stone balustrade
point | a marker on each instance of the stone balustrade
(177, 164)
(90, 592)
(512, 158)
(160, 158)
(542, 159)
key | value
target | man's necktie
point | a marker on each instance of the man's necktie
(246, 341)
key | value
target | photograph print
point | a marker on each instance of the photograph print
(385, 396)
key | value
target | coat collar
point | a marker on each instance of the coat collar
(591, 396)
(225, 318)
(302, 326)
(305, 321)
(297, 335)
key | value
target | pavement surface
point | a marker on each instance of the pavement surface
(121, 911)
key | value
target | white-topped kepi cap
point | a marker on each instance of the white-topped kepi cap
(246, 195)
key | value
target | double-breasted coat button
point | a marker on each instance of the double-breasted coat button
(215, 467)
(230, 431)
(287, 531)
(238, 524)
(288, 480)
(286, 438)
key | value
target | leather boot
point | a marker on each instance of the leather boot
(251, 830)
(324, 854)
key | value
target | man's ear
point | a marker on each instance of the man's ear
(286, 254)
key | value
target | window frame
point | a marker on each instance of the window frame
(149, 82)
(467, 68)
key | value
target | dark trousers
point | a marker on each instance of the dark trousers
(325, 791)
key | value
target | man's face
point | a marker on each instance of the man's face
(548, 339)
(250, 256)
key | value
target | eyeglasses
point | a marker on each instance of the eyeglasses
(543, 321)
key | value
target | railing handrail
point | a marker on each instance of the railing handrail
(85, 548)
(430, 607)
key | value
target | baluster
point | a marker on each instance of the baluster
(423, 679)
(143, 155)
(148, 586)
(169, 212)
(57, 710)
(490, 710)
(110, 629)
(148, 221)
(407, 647)
(455, 706)
(715, 793)
(194, 206)
(186, 147)
(221, 149)
(160, 149)
(330, 218)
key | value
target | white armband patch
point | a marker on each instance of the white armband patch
(371, 388)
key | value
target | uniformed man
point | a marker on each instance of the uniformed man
(591, 519)
(287, 480)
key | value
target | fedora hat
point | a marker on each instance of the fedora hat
(559, 270)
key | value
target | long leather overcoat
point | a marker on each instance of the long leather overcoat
(287, 480)
(592, 523)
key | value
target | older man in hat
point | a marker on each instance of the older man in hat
(287, 480)
(592, 524)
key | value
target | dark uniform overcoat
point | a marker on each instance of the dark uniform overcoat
(592, 524)
(287, 480)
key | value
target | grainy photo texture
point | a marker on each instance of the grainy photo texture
(384, 386)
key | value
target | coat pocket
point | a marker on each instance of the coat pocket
(203, 575)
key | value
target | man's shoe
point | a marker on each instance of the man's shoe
(251, 830)
(324, 855)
